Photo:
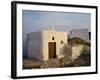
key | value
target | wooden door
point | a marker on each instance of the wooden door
(52, 50)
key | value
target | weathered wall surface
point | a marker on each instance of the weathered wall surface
(77, 51)
(35, 45)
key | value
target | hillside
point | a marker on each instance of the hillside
(84, 58)
(77, 41)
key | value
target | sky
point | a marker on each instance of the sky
(65, 21)
(62, 21)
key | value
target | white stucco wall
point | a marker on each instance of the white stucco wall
(38, 43)
(58, 36)
(34, 43)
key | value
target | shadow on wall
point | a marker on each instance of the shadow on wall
(25, 49)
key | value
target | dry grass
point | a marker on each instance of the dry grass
(83, 60)
(52, 63)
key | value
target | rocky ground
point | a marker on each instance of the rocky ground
(52, 63)
(83, 60)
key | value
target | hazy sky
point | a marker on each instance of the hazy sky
(63, 21)
(40, 20)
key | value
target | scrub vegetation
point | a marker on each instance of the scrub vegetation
(83, 60)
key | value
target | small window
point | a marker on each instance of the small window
(62, 41)
(53, 38)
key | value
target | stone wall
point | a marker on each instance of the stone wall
(77, 51)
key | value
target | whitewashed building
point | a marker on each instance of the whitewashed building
(80, 33)
(47, 44)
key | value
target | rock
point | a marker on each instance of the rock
(77, 51)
